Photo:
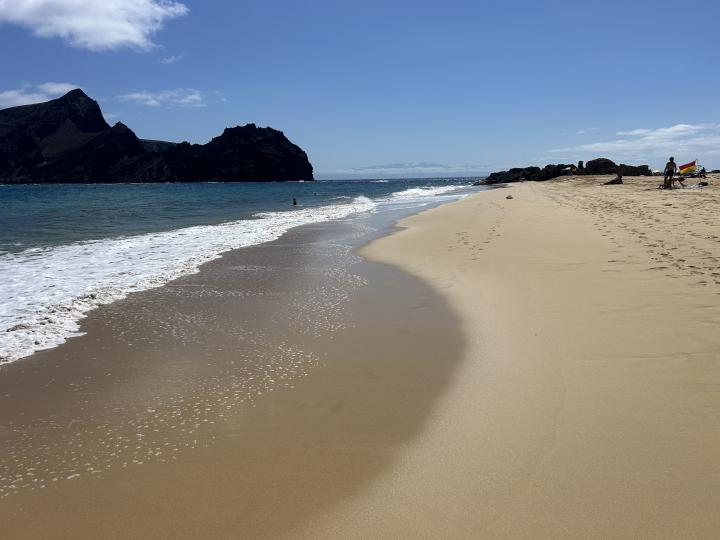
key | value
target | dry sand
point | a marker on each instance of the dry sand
(588, 405)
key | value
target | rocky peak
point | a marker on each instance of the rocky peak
(119, 127)
(83, 111)
(68, 140)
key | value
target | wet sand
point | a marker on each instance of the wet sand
(235, 403)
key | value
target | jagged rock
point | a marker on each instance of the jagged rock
(600, 166)
(536, 174)
(68, 140)
(632, 170)
(607, 166)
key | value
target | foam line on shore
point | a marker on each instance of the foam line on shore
(48, 291)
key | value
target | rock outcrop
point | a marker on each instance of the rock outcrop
(606, 166)
(68, 140)
(536, 174)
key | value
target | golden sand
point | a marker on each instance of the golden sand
(588, 405)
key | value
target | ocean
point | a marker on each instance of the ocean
(66, 249)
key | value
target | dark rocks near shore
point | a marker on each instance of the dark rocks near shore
(536, 174)
(606, 166)
(68, 140)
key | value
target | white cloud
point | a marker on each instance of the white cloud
(93, 24)
(13, 98)
(641, 131)
(585, 131)
(56, 88)
(34, 94)
(690, 140)
(180, 97)
(172, 59)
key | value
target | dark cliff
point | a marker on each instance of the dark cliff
(68, 140)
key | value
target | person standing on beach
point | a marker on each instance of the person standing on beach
(670, 168)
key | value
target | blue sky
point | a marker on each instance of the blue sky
(377, 89)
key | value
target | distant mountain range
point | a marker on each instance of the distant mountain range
(68, 140)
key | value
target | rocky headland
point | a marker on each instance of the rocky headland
(537, 174)
(68, 140)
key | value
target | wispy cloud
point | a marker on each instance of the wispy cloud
(180, 97)
(93, 24)
(56, 88)
(585, 131)
(34, 93)
(174, 59)
(691, 140)
(13, 98)
(634, 132)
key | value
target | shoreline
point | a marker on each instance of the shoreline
(587, 401)
(51, 287)
(514, 368)
(266, 375)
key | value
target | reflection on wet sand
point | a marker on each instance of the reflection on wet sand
(275, 383)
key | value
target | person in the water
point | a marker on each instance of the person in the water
(294, 202)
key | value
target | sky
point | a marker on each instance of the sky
(388, 88)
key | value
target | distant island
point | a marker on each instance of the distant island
(68, 140)
(536, 174)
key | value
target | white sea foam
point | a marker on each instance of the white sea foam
(46, 292)
(422, 192)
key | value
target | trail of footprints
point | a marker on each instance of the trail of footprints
(684, 245)
(477, 241)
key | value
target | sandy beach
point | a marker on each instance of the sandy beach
(588, 402)
(541, 366)
(359, 270)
